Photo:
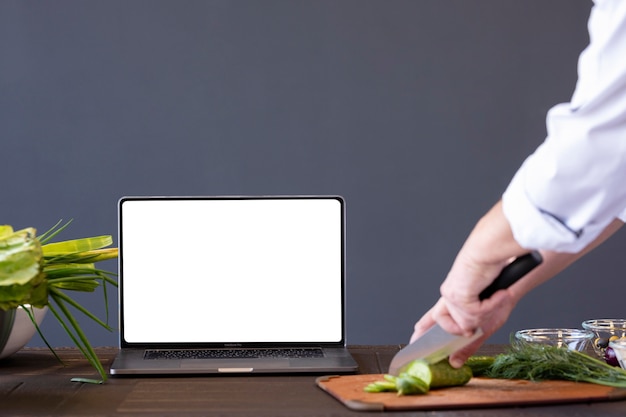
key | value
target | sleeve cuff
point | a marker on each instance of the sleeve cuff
(536, 229)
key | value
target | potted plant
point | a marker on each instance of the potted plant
(37, 272)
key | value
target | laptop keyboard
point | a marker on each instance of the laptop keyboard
(289, 353)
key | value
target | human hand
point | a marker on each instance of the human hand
(488, 249)
(491, 315)
(460, 310)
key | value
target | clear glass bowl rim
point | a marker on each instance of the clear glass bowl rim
(604, 324)
(544, 334)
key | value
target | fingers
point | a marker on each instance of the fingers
(489, 315)
(426, 322)
(438, 314)
(496, 312)
(452, 326)
(458, 358)
(457, 316)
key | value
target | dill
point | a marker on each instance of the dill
(537, 362)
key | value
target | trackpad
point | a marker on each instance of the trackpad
(233, 363)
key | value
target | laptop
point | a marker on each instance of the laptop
(235, 284)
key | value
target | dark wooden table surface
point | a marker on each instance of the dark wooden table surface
(33, 383)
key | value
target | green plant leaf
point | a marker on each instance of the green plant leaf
(53, 231)
(76, 245)
(31, 316)
(73, 329)
(59, 296)
(20, 256)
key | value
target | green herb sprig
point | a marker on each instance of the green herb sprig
(537, 362)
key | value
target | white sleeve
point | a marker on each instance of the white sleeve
(574, 184)
(622, 216)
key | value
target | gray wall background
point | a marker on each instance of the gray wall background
(418, 112)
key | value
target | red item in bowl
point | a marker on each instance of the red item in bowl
(610, 357)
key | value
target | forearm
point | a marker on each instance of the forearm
(488, 248)
(555, 262)
(491, 245)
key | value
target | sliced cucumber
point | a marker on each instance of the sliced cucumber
(440, 374)
(480, 364)
(419, 377)
(408, 385)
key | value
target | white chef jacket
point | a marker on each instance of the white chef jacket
(574, 184)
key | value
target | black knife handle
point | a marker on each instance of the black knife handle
(511, 273)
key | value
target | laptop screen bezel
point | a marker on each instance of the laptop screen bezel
(191, 345)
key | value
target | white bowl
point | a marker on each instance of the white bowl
(605, 329)
(619, 347)
(16, 329)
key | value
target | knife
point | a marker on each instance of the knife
(437, 344)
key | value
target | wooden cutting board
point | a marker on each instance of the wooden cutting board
(478, 393)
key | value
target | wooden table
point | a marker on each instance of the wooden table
(33, 383)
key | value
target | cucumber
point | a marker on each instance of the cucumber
(408, 385)
(419, 377)
(480, 364)
(440, 374)
(382, 386)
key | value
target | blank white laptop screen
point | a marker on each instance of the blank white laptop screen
(231, 270)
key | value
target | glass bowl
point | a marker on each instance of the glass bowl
(605, 330)
(573, 339)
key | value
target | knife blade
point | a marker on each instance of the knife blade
(436, 343)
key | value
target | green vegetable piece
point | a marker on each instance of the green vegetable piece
(440, 374)
(88, 380)
(480, 365)
(420, 377)
(409, 385)
(21, 278)
(20, 256)
(381, 386)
